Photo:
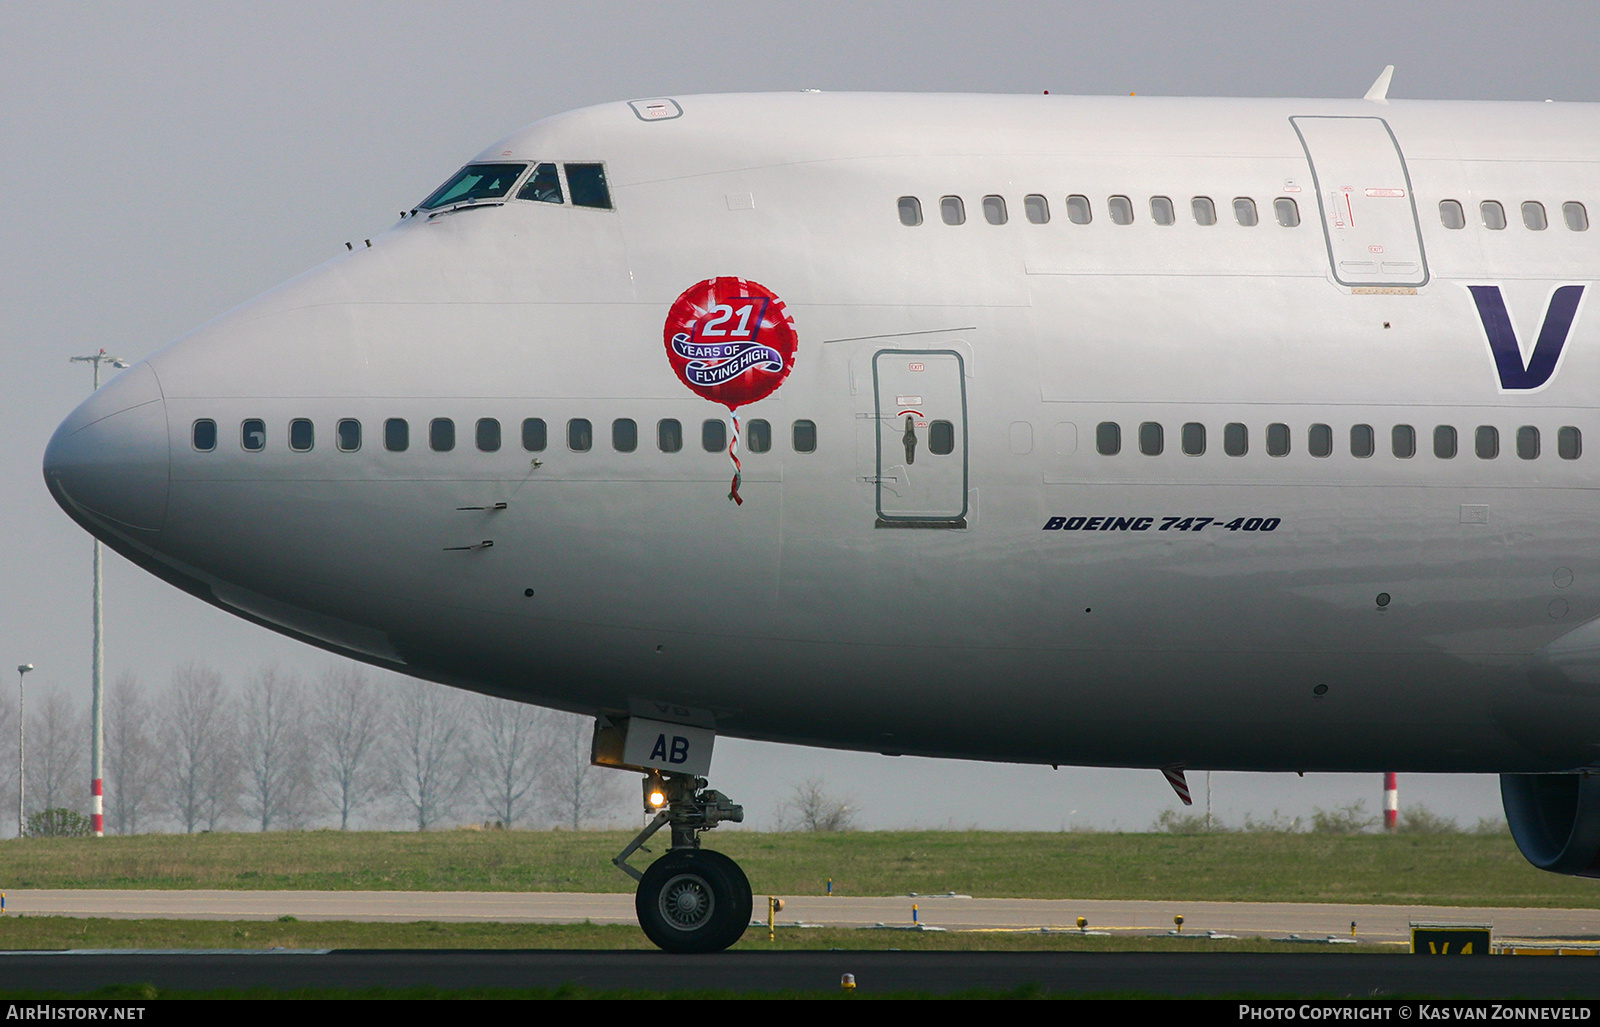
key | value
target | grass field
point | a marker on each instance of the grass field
(1445, 869)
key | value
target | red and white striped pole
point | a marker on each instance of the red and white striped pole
(1391, 802)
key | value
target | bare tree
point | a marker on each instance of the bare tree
(427, 761)
(197, 740)
(578, 791)
(58, 739)
(274, 750)
(131, 756)
(812, 808)
(347, 720)
(509, 746)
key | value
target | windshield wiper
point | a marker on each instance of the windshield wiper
(467, 205)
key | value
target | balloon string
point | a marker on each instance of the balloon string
(733, 454)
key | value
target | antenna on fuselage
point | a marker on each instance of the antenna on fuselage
(1379, 93)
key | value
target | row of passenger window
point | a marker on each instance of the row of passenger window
(1534, 219)
(1319, 440)
(953, 211)
(486, 435)
(1080, 211)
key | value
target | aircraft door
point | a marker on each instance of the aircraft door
(922, 438)
(1369, 215)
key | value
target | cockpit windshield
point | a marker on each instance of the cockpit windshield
(475, 182)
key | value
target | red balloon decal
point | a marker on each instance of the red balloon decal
(731, 341)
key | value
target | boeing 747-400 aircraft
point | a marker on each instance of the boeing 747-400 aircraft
(1164, 433)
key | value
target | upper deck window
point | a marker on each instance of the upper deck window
(1205, 212)
(1121, 209)
(952, 211)
(910, 211)
(543, 186)
(1451, 215)
(994, 210)
(1576, 216)
(1534, 218)
(1494, 215)
(1244, 211)
(588, 185)
(1161, 210)
(475, 182)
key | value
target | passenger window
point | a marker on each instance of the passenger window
(624, 435)
(588, 185)
(1451, 215)
(758, 436)
(1078, 209)
(301, 435)
(1528, 442)
(1194, 439)
(543, 185)
(910, 211)
(1494, 215)
(952, 210)
(1151, 440)
(347, 435)
(253, 435)
(1161, 210)
(1235, 439)
(534, 434)
(1444, 442)
(1121, 210)
(1037, 208)
(1569, 443)
(204, 435)
(1362, 441)
(994, 210)
(1108, 438)
(941, 438)
(1319, 440)
(1205, 212)
(1533, 216)
(1244, 211)
(441, 435)
(487, 434)
(1403, 441)
(1486, 441)
(1277, 440)
(805, 436)
(714, 436)
(1576, 216)
(396, 435)
(669, 435)
(580, 435)
(1286, 211)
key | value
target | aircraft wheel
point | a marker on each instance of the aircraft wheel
(693, 900)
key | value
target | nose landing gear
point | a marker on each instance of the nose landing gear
(691, 899)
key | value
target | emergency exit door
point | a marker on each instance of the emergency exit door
(1369, 215)
(922, 438)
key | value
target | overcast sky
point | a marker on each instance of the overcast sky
(167, 161)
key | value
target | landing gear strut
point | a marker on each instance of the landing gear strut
(691, 899)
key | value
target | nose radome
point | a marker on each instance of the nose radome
(109, 459)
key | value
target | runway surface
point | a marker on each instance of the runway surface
(1378, 924)
(1073, 973)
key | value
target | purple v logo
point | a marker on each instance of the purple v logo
(1541, 364)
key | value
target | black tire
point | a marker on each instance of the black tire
(693, 900)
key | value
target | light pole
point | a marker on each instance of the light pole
(22, 765)
(97, 684)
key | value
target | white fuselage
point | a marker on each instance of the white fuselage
(1445, 601)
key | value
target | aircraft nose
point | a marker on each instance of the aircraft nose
(108, 461)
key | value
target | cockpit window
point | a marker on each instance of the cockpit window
(475, 182)
(542, 185)
(588, 185)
